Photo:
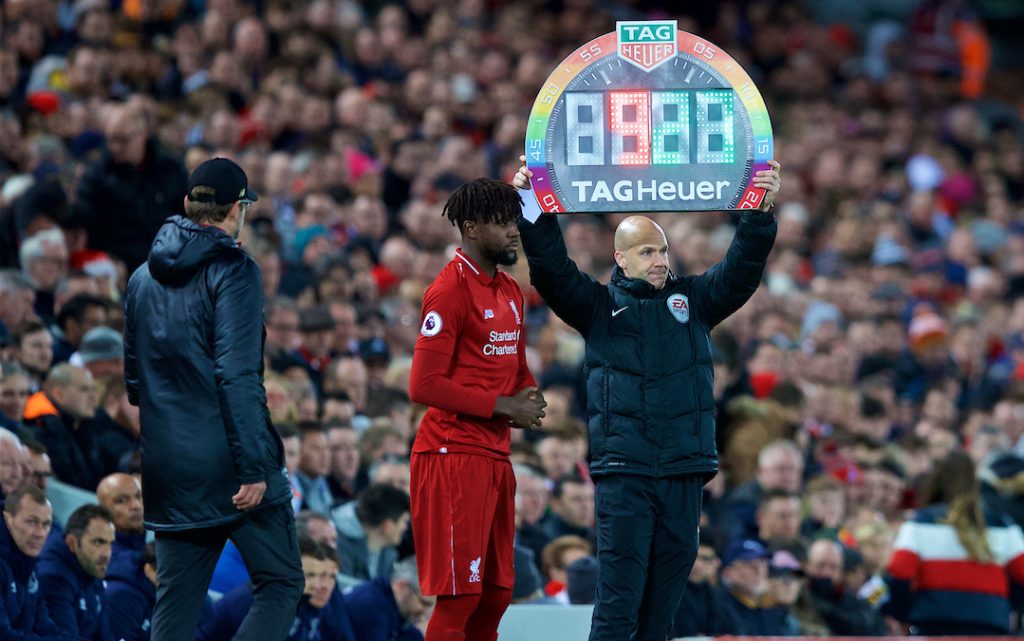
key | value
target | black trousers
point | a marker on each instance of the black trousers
(186, 559)
(646, 546)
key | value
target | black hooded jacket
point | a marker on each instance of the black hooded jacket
(649, 371)
(194, 366)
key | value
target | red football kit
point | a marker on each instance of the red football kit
(470, 351)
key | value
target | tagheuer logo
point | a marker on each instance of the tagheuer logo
(647, 44)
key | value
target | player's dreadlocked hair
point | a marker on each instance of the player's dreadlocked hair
(483, 201)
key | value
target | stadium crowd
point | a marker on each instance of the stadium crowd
(871, 394)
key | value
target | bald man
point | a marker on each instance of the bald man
(121, 494)
(650, 398)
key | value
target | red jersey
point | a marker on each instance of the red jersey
(471, 350)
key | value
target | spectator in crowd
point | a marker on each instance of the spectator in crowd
(779, 467)
(558, 555)
(121, 495)
(785, 582)
(13, 462)
(314, 466)
(76, 317)
(528, 584)
(28, 516)
(391, 470)
(125, 195)
(391, 609)
(40, 468)
(292, 444)
(743, 592)
(531, 506)
(581, 581)
(283, 336)
(116, 424)
(884, 487)
(14, 393)
(556, 455)
(321, 614)
(58, 417)
(318, 527)
(778, 519)
(369, 531)
(955, 568)
(699, 612)
(874, 541)
(71, 572)
(44, 259)
(34, 350)
(344, 445)
(842, 611)
(826, 508)
(131, 594)
(390, 404)
(348, 374)
(102, 353)
(17, 299)
(572, 509)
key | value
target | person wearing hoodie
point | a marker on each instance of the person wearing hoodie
(370, 531)
(71, 572)
(121, 495)
(322, 613)
(28, 517)
(212, 464)
(131, 593)
(391, 609)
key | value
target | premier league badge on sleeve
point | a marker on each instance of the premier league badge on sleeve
(431, 324)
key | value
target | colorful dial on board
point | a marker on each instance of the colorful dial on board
(645, 119)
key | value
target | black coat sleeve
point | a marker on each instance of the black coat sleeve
(238, 365)
(131, 360)
(731, 282)
(570, 293)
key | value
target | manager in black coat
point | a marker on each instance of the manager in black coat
(212, 463)
(650, 400)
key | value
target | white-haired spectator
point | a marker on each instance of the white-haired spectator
(13, 462)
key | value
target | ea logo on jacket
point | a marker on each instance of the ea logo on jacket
(679, 307)
(431, 324)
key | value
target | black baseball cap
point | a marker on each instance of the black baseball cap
(225, 177)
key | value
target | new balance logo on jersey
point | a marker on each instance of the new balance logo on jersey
(474, 570)
(488, 314)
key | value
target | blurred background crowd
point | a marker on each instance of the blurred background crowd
(881, 360)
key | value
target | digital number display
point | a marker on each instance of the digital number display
(647, 118)
(650, 128)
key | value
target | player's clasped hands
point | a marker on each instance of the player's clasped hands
(525, 409)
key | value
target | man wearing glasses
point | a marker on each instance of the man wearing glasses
(213, 466)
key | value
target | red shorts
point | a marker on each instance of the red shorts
(463, 522)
